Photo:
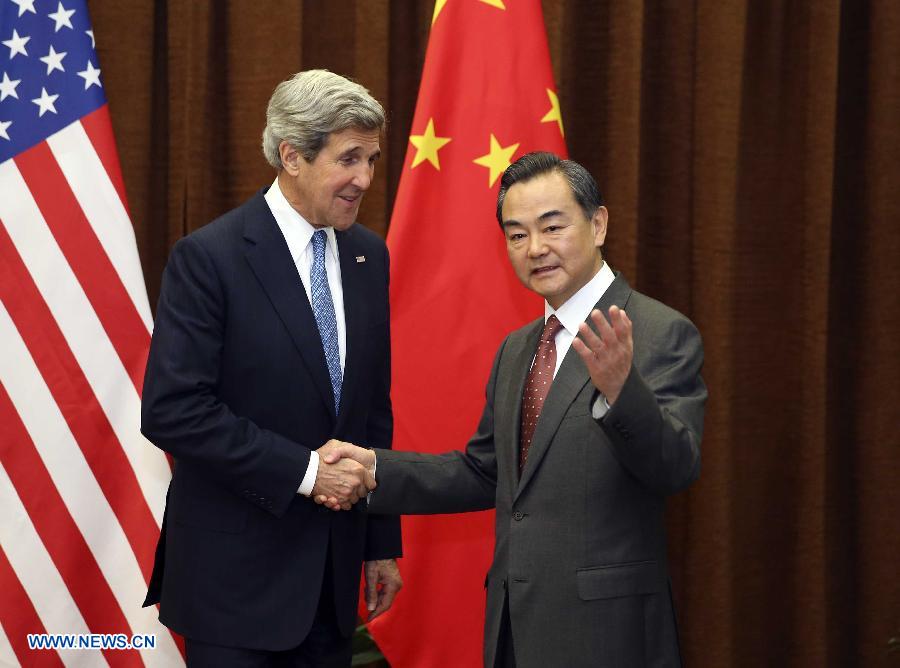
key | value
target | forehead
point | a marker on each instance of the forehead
(534, 197)
(353, 138)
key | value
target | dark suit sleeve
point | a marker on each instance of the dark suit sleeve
(656, 423)
(383, 539)
(413, 483)
(180, 411)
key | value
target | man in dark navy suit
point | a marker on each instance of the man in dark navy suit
(272, 341)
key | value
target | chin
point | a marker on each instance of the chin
(544, 290)
(343, 225)
(542, 293)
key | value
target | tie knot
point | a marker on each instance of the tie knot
(551, 328)
(319, 239)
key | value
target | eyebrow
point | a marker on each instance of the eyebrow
(550, 214)
(358, 149)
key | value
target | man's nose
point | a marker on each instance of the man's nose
(536, 246)
(363, 177)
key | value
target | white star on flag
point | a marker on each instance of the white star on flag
(3, 126)
(91, 76)
(62, 16)
(54, 60)
(8, 87)
(25, 6)
(16, 44)
(90, 33)
(45, 102)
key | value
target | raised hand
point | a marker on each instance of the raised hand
(343, 482)
(333, 453)
(607, 353)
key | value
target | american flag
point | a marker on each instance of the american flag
(81, 491)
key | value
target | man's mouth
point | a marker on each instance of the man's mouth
(539, 271)
(350, 199)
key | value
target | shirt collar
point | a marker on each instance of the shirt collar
(579, 306)
(295, 228)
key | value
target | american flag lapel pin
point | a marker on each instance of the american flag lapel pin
(360, 258)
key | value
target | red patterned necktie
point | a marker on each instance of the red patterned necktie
(537, 385)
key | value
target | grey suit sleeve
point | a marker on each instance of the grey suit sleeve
(656, 424)
(383, 539)
(413, 483)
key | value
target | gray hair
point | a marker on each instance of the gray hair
(530, 165)
(311, 105)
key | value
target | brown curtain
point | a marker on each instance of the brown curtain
(747, 151)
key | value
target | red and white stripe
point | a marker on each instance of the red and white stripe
(81, 490)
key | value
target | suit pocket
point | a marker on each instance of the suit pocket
(617, 580)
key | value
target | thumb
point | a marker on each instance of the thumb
(332, 457)
(336, 454)
(371, 592)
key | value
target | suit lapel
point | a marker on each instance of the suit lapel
(355, 315)
(567, 385)
(271, 261)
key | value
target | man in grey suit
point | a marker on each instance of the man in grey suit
(589, 423)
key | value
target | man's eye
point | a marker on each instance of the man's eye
(348, 160)
(552, 228)
(516, 237)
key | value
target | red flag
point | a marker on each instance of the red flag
(487, 97)
(81, 490)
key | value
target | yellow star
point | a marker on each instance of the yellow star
(497, 160)
(495, 3)
(438, 6)
(554, 114)
(427, 146)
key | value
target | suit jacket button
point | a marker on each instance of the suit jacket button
(517, 516)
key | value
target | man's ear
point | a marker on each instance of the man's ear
(290, 158)
(601, 216)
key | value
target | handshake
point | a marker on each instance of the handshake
(346, 474)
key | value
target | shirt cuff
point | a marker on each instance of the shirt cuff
(374, 468)
(600, 407)
(309, 480)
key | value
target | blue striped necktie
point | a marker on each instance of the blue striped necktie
(323, 309)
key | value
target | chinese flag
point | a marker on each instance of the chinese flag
(487, 97)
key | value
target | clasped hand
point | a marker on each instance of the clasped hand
(341, 481)
(337, 456)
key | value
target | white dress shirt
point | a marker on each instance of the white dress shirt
(574, 312)
(297, 232)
